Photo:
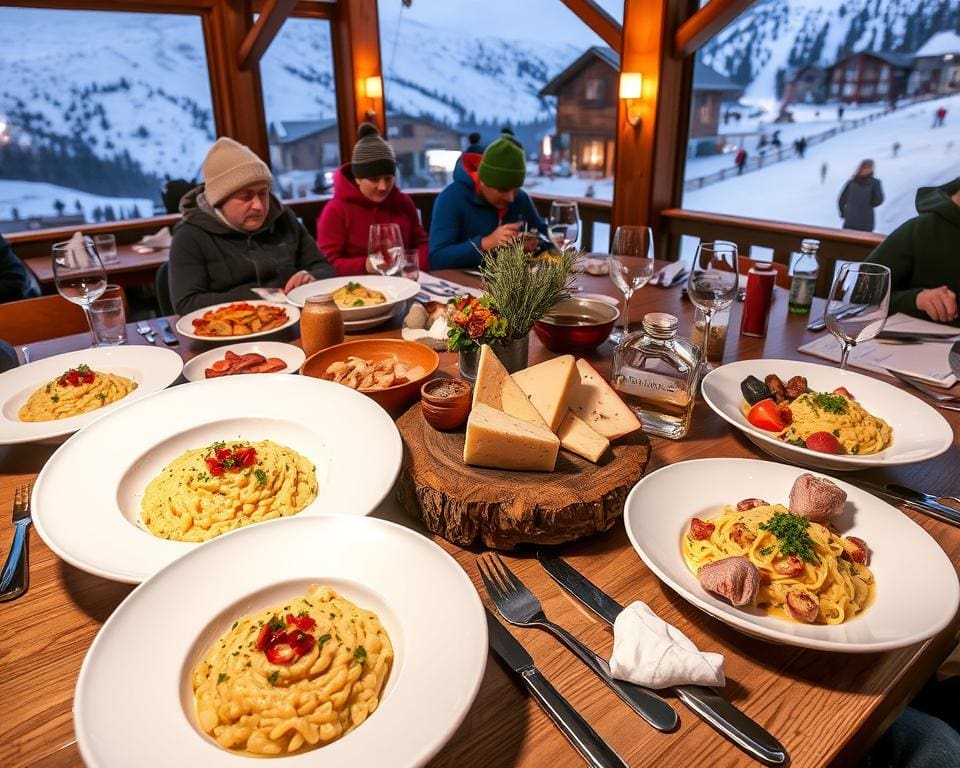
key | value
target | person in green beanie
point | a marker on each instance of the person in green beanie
(483, 207)
(923, 254)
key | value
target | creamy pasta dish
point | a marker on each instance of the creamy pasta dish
(357, 295)
(293, 677)
(212, 490)
(77, 391)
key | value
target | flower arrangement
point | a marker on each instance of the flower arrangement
(474, 322)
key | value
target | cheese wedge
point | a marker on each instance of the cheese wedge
(598, 404)
(577, 436)
(500, 441)
(495, 388)
(547, 385)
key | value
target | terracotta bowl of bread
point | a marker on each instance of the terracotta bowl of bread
(390, 371)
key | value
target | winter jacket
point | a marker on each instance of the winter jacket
(343, 228)
(16, 281)
(859, 197)
(462, 218)
(923, 252)
(210, 263)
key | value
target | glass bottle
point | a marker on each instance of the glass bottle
(804, 278)
(656, 372)
(321, 324)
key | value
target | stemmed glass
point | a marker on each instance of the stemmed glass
(713, 282)
(858, 305)
(79, 273)
(564, 225)
(631, 267)
(385, 248)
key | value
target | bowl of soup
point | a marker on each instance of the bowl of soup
(577, 324)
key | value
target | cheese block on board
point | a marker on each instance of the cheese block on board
(500, 441)
(598, 404)
(547, 385)
(578, 436)
(495, 388)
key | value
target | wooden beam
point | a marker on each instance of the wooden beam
(601, 22)
(648, 172)
(261, 34)
(705, 24)
(124, 6)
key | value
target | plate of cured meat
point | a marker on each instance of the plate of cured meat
(247, 358)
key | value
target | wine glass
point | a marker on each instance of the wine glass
(79, 273)
(713, 282)
(858, 305)
(385, 248)
(631, 267)
(564, 226)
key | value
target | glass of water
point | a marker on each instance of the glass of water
(631, 267)
(564, 226)
(106, 246)
(108, 319)
(410, 267)
(713, 282)
(385, 248)
(79, 273)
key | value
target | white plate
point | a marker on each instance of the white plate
(917, 592)
(153, 368)
(396, 289)
(353, 326)
(134, 695)
(293, 356)
(919, 432)
(86, 501)
(185, 323)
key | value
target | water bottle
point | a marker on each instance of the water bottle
(804, 278)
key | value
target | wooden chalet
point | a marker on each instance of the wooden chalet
(936, 66)
(869, 76)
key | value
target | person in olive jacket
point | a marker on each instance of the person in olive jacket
(859, 197)
(235, 235)
(923, 254)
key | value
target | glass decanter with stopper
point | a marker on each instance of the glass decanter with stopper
(656, 372)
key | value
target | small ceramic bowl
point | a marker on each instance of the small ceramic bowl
(577, 324)
(445, 403)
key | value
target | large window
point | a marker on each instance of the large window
(97, 110)
(300, 102)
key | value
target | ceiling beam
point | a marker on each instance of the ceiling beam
(601, 22)
(261, 34)
(705, 24)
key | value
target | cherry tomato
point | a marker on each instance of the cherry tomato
(263, 638)
(860, 554)
(281, 653)
(823, 442)
(766, 415)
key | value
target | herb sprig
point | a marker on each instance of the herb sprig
(791, 532)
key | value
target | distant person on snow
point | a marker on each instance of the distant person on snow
(860, 195)
(896, 148)
(923, 257)
(823, 172)
(776, 140)
(740, 160)
(938, 117)
(801, 146)
(840, 111)
(762, 144)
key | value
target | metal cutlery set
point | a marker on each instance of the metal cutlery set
(520, 607)
(15, 576)
(166, 332)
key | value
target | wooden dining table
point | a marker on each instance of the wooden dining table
(825, 708)
(131, 268)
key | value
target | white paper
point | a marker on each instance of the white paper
(445, 295)
(271, 294)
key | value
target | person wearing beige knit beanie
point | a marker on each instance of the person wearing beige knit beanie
(236, 239)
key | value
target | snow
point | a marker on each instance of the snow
(941, 44)
(33, 198)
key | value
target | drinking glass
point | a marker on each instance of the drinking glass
(410, 266)
(631, 267)
(79, 273)
(106, 246)
(385, 248)
(564, 226)
(713, 282)
(858, 304)
(108, 319)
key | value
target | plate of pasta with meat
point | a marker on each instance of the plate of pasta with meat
(316, 641)
(822, 417)
(791, 556)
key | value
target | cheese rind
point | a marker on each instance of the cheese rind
(497, 389)
(598, 404)
(548, 385)
(500, 441)
(580, 438)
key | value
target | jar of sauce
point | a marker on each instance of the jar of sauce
(321, 324)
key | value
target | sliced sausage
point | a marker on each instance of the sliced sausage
(796, 386)
(745, 504)
(801, 606)
(777, 388)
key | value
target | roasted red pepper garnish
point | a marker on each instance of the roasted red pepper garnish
(224, 459)
(284, 643)
(77, 376)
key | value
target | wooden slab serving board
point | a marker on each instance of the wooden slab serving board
(502, 508)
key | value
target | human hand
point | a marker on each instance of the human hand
(940, 304)
(297, 279)
(502, 235)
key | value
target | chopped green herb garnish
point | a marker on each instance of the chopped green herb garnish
(791, 531)
(276, 624)
(223, 676)
(55, 398)
(836, 433)
(351, 286)
(360, 654)
(358, 303)
(101, 396)
(766, 551)
(829, 402)
(261, 476)
(303, 613)
(234, 625)
(321, 640)
(274, 677)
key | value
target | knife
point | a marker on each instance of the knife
(914, 499)
(570, 722)
(166, 333)
(907, 336)
(704, 701)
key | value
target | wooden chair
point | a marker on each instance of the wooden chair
(46, 317)
(783, 274)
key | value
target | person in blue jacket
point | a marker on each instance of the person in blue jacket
(483, 207)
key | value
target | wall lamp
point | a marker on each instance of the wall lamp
(631, 91)
(373, 90)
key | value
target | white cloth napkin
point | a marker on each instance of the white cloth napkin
(927, 361)
(649, 652)
(155, 242)
(593, 265)
(434, 337)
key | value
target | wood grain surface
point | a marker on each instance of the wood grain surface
(825, 708)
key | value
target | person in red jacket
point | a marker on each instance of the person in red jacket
(365, 193)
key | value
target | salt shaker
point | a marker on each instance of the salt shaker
(756, 307)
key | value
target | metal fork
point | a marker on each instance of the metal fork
(15, 577)
(940, 397)
(144, 329)
(520, 607)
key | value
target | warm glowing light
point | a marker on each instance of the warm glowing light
(631, 85)
(373, 87)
